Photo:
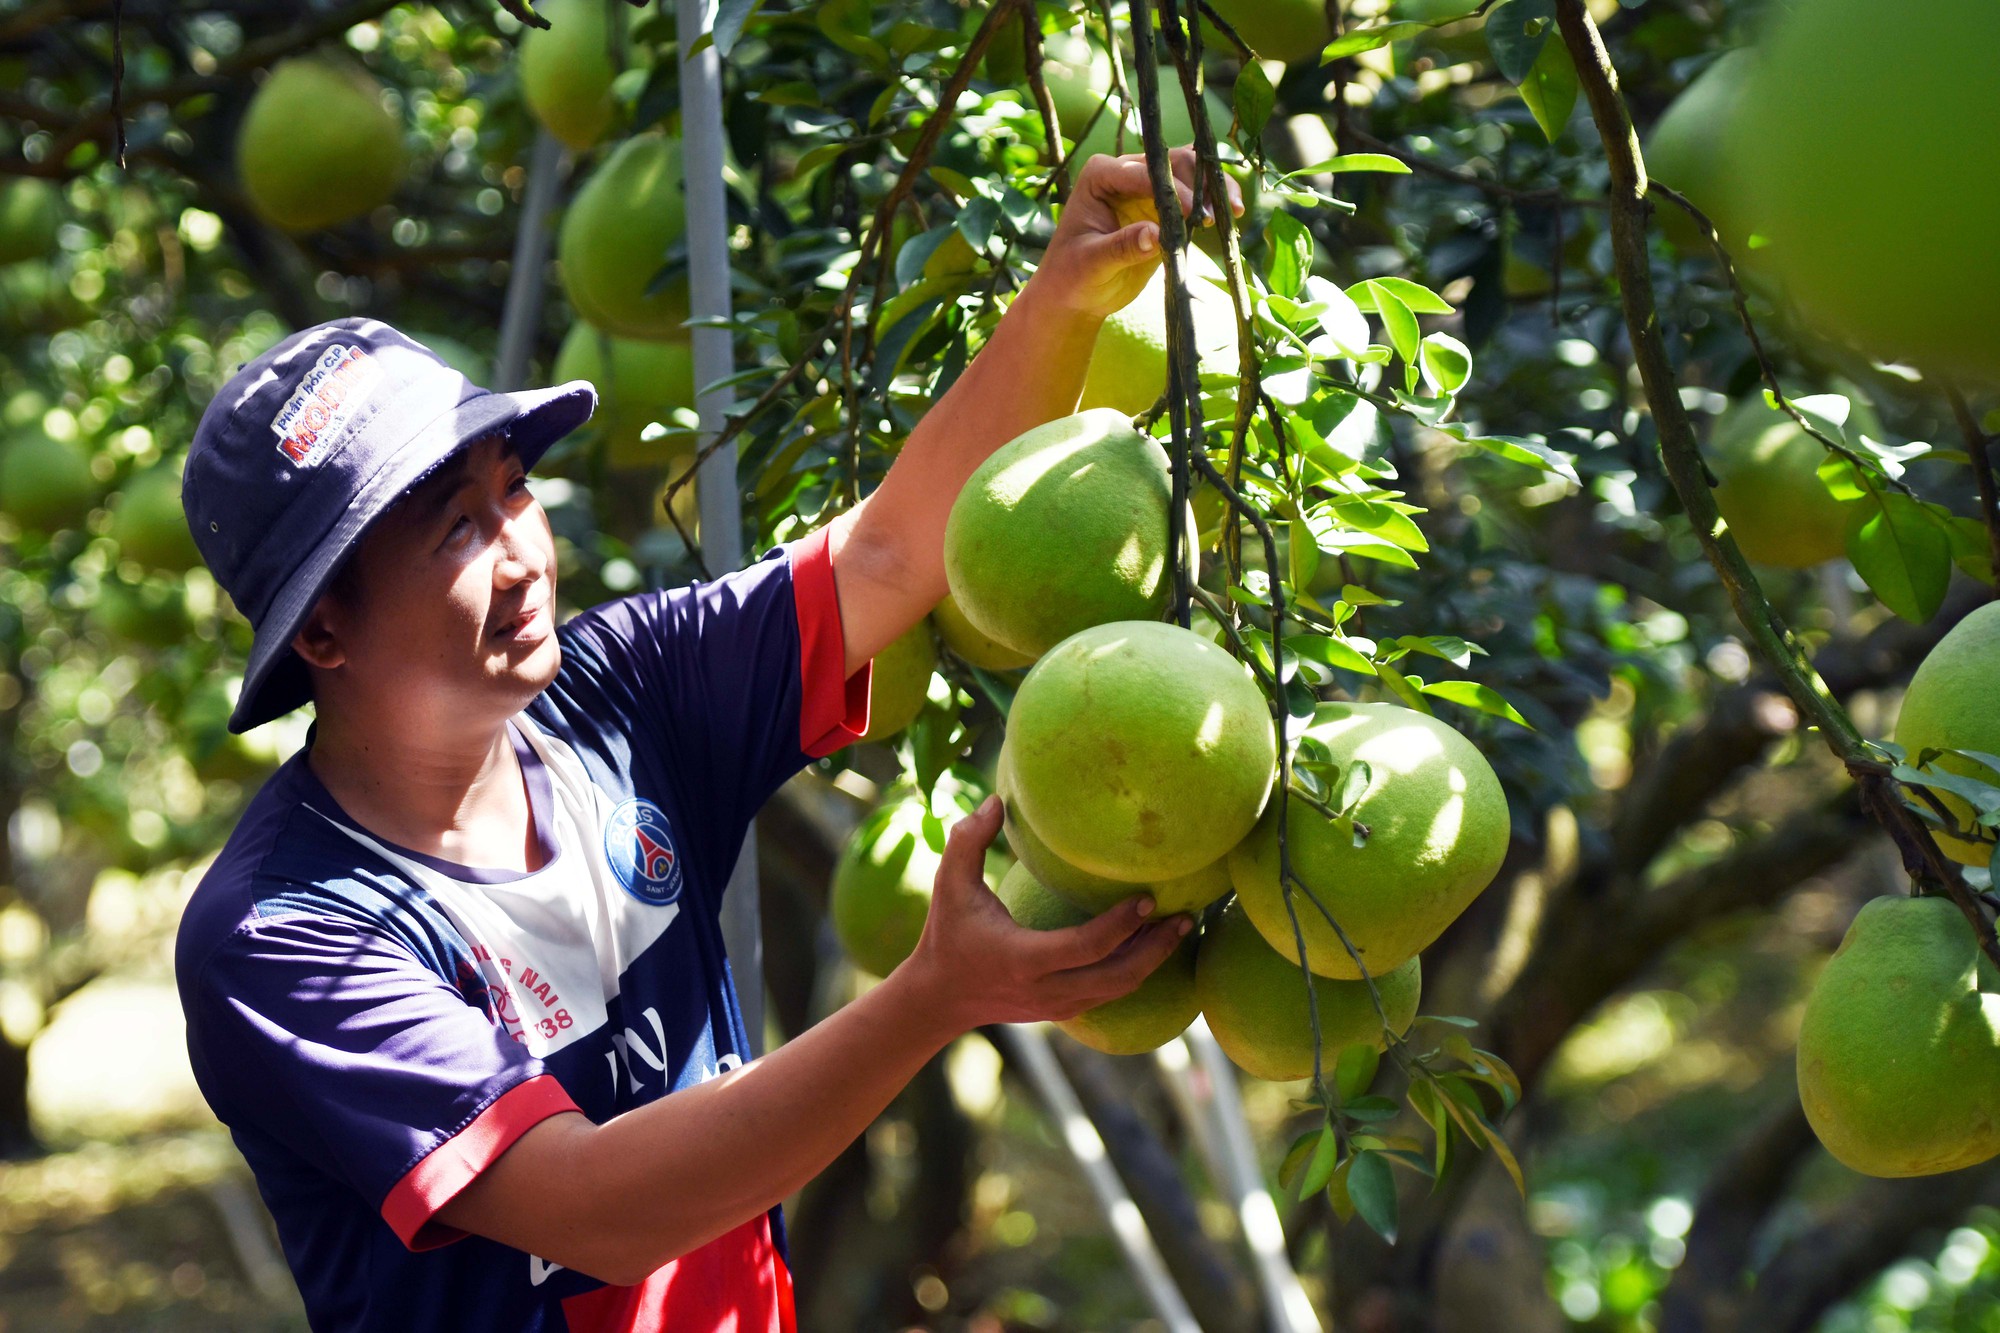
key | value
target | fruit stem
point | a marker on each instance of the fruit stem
(1681, 456)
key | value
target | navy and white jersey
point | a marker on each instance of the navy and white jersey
(377, 1026)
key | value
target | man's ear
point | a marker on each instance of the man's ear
(318, 640)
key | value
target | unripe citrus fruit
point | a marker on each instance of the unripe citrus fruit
(1287, 30)
(1899, 1050)
(1078, 73)
(900, 682)
(1436, 823)
(1689, 150)
(149, 524)
(1952, 703)
(1062, 528)
(566, 69)
(153, 612)
(1176, 122)
(1095, 893)
(317, 146)
(1147, 1018)
(29, 214)
(969, 645)
(615, 238)
(1769, 490)
(882, 886)
(1128, 365)
(644, 381)
(1870, 155)
(45, 484)
(1255, 1002)
(1140, 751)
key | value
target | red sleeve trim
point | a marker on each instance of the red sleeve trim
(833, 706)
(448, 1168)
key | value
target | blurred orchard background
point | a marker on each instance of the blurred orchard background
(1685, 853)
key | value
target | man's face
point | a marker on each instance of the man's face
(448, 609)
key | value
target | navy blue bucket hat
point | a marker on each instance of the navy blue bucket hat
(308, 445)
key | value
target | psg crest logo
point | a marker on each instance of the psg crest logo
(641, 851)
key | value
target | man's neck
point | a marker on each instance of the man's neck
(460, 797)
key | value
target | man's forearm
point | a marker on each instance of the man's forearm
(888, 553)
(669, 1176)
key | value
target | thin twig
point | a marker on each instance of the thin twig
(1979, 447)
(1045, 102)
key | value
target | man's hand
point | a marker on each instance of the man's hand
(982, 968)
(1108, 240)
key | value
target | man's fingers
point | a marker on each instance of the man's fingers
(1080, 946)
(1121, 972)
(964, 859)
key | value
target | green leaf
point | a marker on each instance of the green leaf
(1471, 694)
(1516, 31)
(1296, 1157)
(1415, 295)
(1325, 1157)
(1368, 39)
(1329, 651)
(1291, 254)
(1340, 318)
(1904, 557)
(1354, 1070)
(1981, 796)
(1354, 785)
(1447, 363)
(1449, 647)
(730, 16)
(1550, 89)
(1373, 1189)
(1371, 1109)
(1971, 548)
(1333, 166)
(1254, 99)
(1398, 321)
(1411, 693)
(1518, 449)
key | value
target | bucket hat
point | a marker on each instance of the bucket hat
(308, 445)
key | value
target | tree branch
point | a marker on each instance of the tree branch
(1979, 447)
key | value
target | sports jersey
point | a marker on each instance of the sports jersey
(376, 1026)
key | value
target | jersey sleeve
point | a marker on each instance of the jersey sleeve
(741, 678)
(330, 1038)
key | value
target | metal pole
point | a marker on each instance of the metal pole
(522, 314)
(1289, 1308)
(721, 507)
(1029, 1048)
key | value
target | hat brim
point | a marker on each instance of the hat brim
(276, 680)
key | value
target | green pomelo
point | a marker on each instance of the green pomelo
(1689, 150)
(317, 146)
(1255, 1002)
(567, 69)
(969, 645)
(1060, 529)
(882, 886)
(1287, 30)
(615, 238)
(1078, 73)
(900, 682)
(1176, 122)
(30, 211)
(1140, 751)
(1148, 1017)
(149, 524)
(45, 484)
(643, 381)
(1769, 491)
(1952, 703)
(1128, 365)
(1870, 155)
(153, 613)
(1437, 830)
(1096, 893)
(1899, 1050)
(457, 355)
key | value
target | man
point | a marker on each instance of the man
(458, 951)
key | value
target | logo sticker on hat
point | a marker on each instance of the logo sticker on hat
(313, 418)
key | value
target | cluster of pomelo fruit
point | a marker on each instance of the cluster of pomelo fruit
(1899, 1049)
(1898, 261)
(1140, 757)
